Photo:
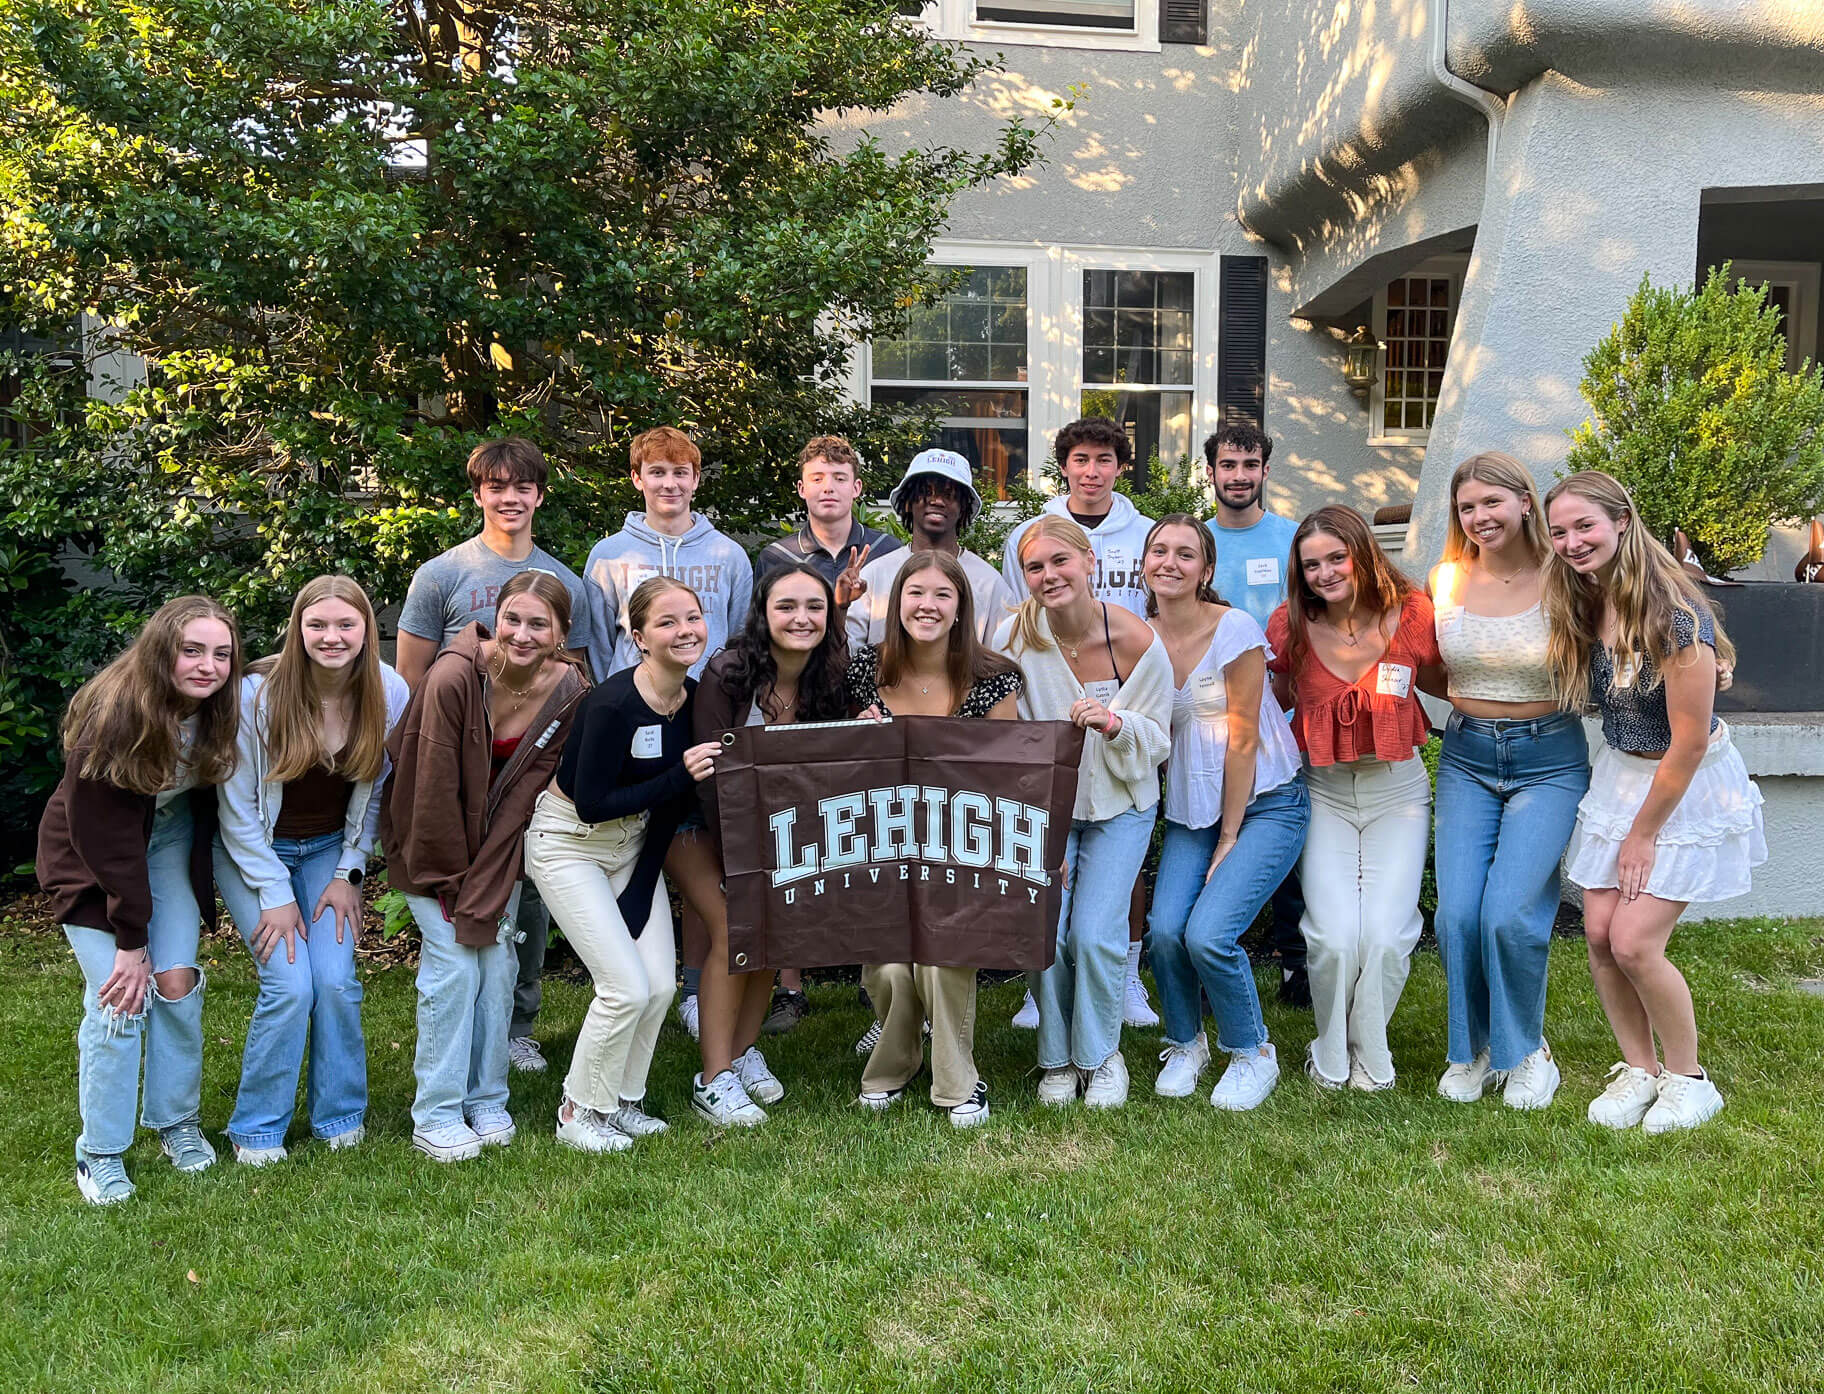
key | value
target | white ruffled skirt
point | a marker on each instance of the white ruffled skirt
(1706, 849)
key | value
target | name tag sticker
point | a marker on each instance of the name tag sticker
(1263, 571)
(1393, 680)
(649, 743)
(638, 573)
(1206, 682)
(1450, 617)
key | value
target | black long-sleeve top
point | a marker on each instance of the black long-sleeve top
(624, 758)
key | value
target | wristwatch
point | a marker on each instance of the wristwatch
(351, 874)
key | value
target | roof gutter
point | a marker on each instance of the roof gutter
(1468, 93)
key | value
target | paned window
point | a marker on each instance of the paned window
(1417, 313)
(1139, 357)
(1083, 14)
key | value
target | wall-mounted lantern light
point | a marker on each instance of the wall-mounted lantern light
(1360, 349)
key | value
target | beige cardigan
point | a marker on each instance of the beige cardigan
(1117, 774)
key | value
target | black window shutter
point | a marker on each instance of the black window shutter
(1241, 341)
(1184, 22)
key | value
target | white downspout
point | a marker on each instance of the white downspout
(1468, 93)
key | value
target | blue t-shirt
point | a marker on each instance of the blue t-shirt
(1251, 564)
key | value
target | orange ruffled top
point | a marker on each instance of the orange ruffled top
(1376, 717)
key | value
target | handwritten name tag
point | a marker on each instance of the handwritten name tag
(1263, 571)
(648, 743)
(1393, 680)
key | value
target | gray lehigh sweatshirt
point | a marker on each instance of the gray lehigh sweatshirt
(710, 562)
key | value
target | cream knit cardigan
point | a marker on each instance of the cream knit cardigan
(1115, 775)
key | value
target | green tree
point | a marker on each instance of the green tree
(1695, 412)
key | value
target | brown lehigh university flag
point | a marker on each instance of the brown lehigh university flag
(923, 839)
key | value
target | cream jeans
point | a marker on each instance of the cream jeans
(1363, 859)
(579, 868)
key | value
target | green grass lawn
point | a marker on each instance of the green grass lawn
(1323, 1243)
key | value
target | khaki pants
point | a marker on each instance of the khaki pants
(904, 996)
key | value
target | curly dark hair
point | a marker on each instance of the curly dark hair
(750, 674)
(1242, 435)
(1093, 430)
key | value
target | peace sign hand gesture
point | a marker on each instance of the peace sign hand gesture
(849, 585)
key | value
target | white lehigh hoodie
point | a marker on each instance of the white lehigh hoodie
(1119, 542)
(710, 562)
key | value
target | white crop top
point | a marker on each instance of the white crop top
(1495, 658)
(1200, 730)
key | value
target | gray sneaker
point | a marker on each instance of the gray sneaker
(760, 1082)
(633, 1120)
(102, 1180)
(524, 1055)
(186, 1146)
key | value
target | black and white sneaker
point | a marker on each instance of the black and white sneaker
(971, 1110)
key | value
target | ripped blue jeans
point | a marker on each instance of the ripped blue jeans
(169, 1034)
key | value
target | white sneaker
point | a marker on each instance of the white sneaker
(1683, 1102)
(1137, 1009)
(880, 1100)
(524, 1055)
(493, 1127)
(350, 1137)
(103, 1180)
(724, 1102)
(1058, 1087)
(971, 1110)
(1107, 1086)
(186, 1146)
(1027, 1018)
(760, 1082)
(455, 1142)
(1182, 1067)
(633, 1120)
(1625, 1102)
(1464, 1084)
(687, 1014)
(259, 1156)
(1359, 1078)
(869, 1038)
(1248, 1080)
(1533, 1082)
(589, 1131)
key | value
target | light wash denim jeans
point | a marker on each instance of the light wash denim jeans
(1507, 800)
(1194, 929)
(315, 1000)
(465, 998)
(108, 1046)
(1080, 995)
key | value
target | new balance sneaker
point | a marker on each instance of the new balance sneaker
(1107, 1086)
(524, 1055)
(493, 1127)
(453, 1142)
(1533, 1082)
(259, 1156)
(1317, 1076)
(971, 1110)
(1359, 1078)
(349, 1137)
(589, 1131)
(186, 1146)
(1182, 1066)
(687, 1014)
(1027, 1018)
(1248, 1080)
(1631, 1092)
(1136, 1007)
(102, 1179)
(1683, 1102)
(788, 1009)
(724, 1102)
(760, 1082)
(1058, 1087)
(1464, 1084)
(880, 1100)
(869, 1038)
(633, 1120)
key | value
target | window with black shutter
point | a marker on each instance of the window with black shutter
(1241, 340)
(1184, 21)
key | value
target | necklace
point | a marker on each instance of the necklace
(1504, 580)
(1067, 644)
(1351, 638)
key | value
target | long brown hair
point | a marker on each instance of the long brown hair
(1379, 584)
(1206, 544)
(542, 585)
(1645, 585)
(294, 719)
(966, 661)
(1504, 472)
(1026, 632)
(125, 718)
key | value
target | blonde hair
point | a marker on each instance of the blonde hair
(1646, 586)
(1504, 472)
(1027, 633)
(125, 719)
(294, 719)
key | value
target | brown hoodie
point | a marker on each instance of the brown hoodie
(448, 834)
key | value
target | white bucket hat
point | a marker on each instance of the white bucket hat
(946, 464)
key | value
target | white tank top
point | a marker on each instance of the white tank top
(1497, 658)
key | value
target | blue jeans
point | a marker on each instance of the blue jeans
(1507, 799)
(1080, 995)
(1194, 929)
(315, 1000)
(465, 998)
(108, 1045)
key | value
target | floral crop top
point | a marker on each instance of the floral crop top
(1376, 717)
(983, 697)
